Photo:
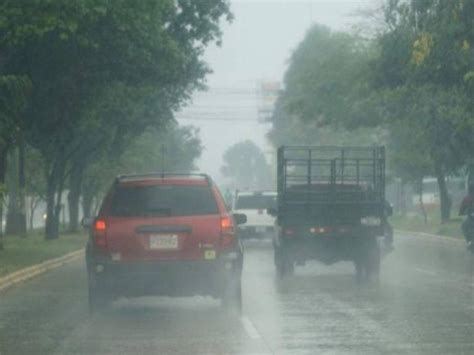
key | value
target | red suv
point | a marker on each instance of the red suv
(167, 234)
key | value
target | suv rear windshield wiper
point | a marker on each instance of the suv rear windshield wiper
(158, 211)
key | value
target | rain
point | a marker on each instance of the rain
(236, 177)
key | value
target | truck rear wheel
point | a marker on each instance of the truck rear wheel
(367, 260)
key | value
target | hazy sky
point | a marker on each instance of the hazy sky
(256, 46)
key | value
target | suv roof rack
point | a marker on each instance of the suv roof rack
(161, 175)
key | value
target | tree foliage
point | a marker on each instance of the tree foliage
(173, 149)
(101, 73)
(245, 165)
(411, 87)
(424, 67)
(327, 78)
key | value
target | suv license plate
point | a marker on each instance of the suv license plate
(164, 241)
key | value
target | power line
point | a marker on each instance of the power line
(217, 107)
(233, 119)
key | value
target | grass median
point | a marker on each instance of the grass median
(20, 252)
(416, 223)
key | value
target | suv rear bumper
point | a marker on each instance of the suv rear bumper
(170, 278)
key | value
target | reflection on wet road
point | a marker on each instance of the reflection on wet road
(423, 304)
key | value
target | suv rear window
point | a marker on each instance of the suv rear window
(255, 202)
(163, 200)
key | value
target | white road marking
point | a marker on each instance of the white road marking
(427, 272)
(252, 332)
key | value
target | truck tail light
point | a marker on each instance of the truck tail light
(98, 233)
(320, 230)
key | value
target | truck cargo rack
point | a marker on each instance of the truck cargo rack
(312, 178)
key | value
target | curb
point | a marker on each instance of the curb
(30, 272)
(431, 236)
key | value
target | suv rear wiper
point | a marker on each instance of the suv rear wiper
(160, 211)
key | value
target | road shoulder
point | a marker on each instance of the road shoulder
(30, 272)
(429, 235)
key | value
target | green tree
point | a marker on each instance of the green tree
(289, 129)
(79, 54)
(408, 156)
(411, 87)
(14, 92)
(327, 78)
(245, 165)
(35, 182)
(424, 65)
(327, 98)
(174, 148)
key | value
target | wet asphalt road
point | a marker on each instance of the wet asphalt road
(423, 304)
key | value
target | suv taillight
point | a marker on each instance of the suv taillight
(98, 233)
(227, 232)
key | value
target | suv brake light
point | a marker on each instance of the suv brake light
(98, 233)
(227, 232)
(227, 225)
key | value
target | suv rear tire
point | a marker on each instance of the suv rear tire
(97, 297)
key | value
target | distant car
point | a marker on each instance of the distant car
(166, 234)
(255, 205)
